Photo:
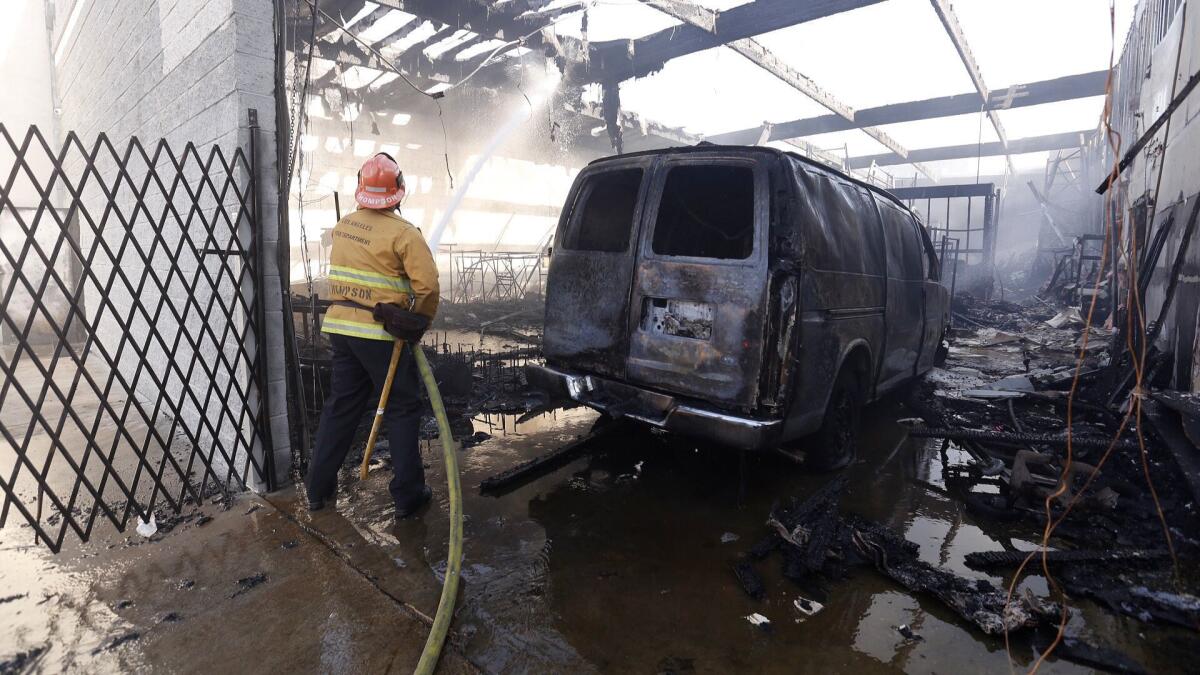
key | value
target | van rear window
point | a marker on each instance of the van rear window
(603, 218)
(706, 212)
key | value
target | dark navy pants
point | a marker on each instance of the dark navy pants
(359, 370)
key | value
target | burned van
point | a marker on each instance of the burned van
(742, 295)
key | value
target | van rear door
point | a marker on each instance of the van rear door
(592, 267)
(697, 311)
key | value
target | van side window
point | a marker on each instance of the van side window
(603, 216)
(906, 252)
(706, 211)
(845, 237)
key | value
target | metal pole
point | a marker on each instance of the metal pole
(942, 258)
(968, 245)
(948, 220)
(954, 279)
(316, 340)
(260, 331)
(283, 145)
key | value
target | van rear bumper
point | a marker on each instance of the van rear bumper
(656, 409)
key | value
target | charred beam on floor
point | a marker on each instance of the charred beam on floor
(1016, 439)
(1055, 90)
(958, 37)
(528, 471)
(623, 59)
(1072, 139)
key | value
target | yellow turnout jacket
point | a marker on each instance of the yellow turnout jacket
(377, 257)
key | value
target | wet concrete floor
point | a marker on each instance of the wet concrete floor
(244, 589)
(615, 563)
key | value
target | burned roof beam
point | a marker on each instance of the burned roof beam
(623, 59)
(1073, 139)
(958, 37)
(344, 13)
(758, 54)
(508, 22)
(474, 15)
(413, 63)
(352, 47)
(1017, 96)
(635, 122)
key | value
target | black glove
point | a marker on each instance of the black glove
(405, 325)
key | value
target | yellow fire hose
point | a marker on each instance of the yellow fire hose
(445, 610)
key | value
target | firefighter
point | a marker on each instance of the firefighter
(377, 257)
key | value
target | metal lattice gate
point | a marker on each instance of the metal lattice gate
(130, 374)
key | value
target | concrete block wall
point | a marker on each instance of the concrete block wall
(186, 72)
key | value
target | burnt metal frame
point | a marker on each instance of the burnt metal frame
(484, 276)
(230, 229)
(968, 191)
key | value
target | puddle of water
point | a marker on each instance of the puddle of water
(54, 619)
(616, 562)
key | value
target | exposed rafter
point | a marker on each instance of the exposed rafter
(954, 29)
(1019, 146)
(758, 54)
(634, 122)
(1017, 96)
(623, 59)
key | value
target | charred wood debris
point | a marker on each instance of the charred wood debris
(999, 405)
(478, 352)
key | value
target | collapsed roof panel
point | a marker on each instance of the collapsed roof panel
(881, 64)
(714, 91)
(614, 21)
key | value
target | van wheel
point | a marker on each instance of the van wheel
(835, 445)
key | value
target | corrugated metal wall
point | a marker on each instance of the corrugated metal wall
(1153, 67)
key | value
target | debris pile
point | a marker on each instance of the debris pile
(1003, 398)
(818, 543)
(478, 351)
(1013, 375)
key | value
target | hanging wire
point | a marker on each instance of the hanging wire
(1113, 235)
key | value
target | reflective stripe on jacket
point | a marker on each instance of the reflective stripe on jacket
(377, 257)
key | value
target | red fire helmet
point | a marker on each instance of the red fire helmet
(380, 183)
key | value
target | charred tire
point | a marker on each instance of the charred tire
(835, 444)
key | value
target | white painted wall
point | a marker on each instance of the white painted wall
(185, 71)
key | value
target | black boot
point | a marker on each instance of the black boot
(318, 503)
(416, 505)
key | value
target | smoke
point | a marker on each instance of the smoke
(522, 114)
